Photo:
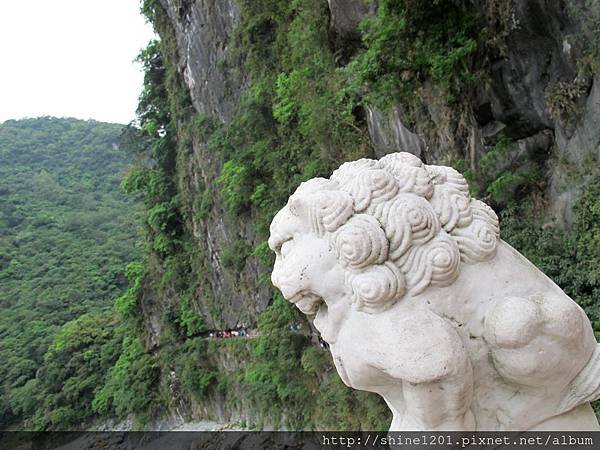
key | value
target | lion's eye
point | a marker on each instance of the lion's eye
(286, 247)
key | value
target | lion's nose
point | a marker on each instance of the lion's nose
(288, 289)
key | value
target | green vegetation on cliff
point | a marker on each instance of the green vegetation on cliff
(409, 42)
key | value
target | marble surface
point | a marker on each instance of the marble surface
(406, 277)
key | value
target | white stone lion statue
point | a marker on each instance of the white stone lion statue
(421, 302)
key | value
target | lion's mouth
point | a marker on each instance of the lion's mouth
(316, 308)
(307, 302)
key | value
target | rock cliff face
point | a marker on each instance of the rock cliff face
(532, 104)
(203, 30)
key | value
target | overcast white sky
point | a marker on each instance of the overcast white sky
(71, 58)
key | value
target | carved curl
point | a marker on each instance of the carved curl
(478, 241)
(449, 178)
(408, 220)
(361, 242)
(409, 172)
(347, 171)
(377, 288)
(436, 263)
(370, 186)
(452, 207)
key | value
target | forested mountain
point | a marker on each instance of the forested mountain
(67, 232)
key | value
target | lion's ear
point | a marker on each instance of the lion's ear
(332, 209)
(324, 210)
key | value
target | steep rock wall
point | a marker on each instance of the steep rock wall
(203, 32)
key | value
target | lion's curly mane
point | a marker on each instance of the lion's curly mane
(397, 225)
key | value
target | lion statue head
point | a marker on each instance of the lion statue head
(378, 231)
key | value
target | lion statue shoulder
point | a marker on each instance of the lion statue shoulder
(406, 277)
